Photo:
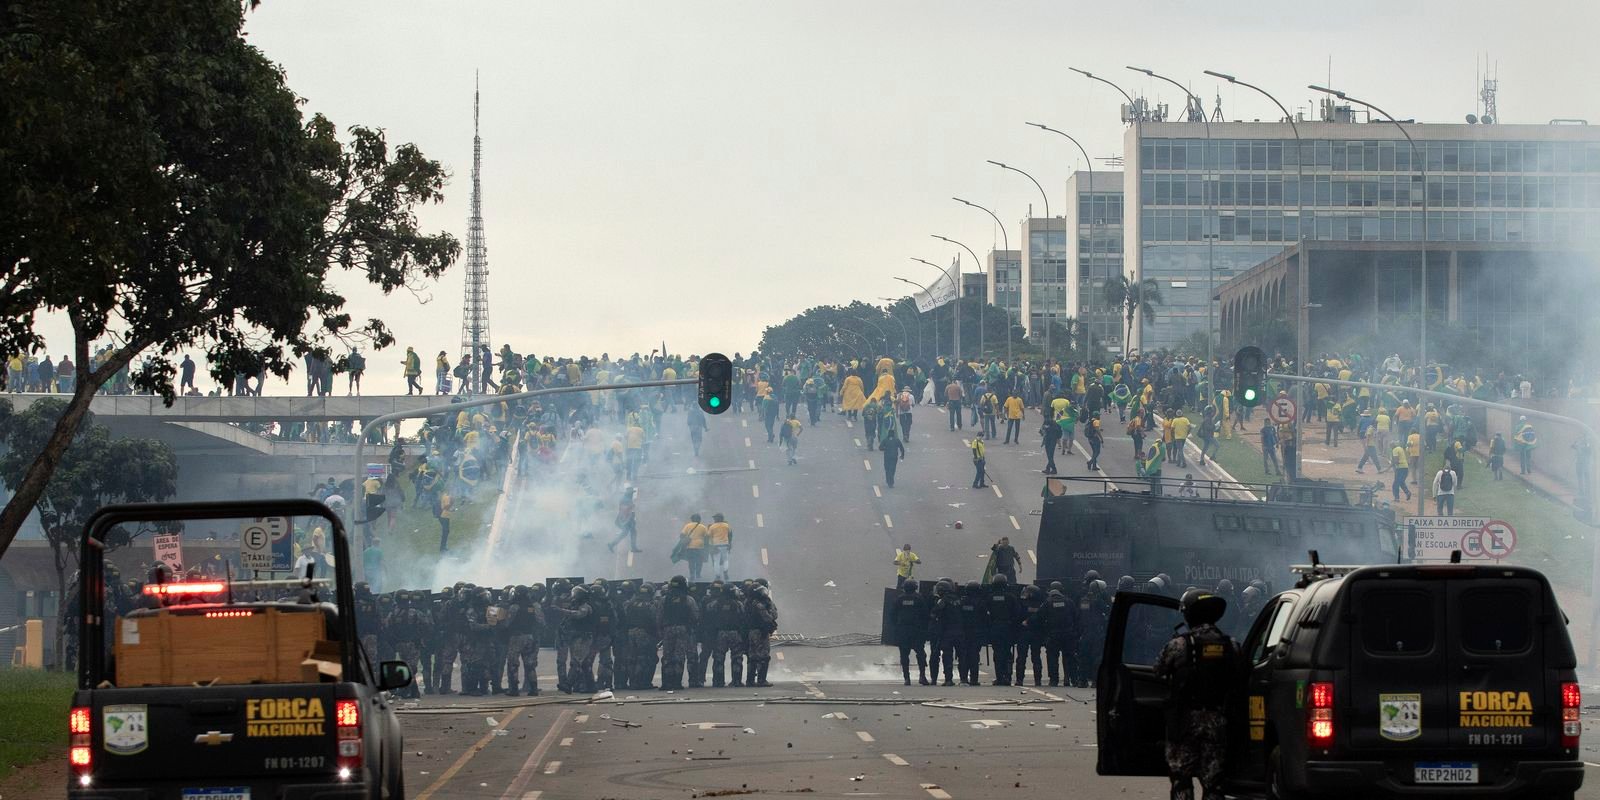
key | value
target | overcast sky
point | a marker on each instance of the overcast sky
(694, 171)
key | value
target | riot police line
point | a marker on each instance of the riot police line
(607, 635)
(1056, 625)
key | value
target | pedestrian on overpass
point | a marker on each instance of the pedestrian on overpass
(413, 370)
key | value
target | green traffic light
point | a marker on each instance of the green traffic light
(715, 402)
(1250, 395)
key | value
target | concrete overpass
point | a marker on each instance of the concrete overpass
(109, 408)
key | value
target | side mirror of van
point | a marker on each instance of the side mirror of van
(393, 675)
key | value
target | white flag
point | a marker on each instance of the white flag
(941, 291)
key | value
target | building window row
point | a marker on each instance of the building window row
(1369, 155)
(1373, 191)
(1181, 225)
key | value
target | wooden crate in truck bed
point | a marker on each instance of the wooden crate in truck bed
(178, 647)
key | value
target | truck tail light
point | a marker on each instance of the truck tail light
(1319, 725)
(347, 719)
(80, 745)
(1571, 702)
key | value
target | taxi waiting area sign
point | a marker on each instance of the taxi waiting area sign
(1478, 538)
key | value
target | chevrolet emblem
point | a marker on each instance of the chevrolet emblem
(213, 738)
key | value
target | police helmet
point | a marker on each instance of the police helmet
(482, 598)
(537, 591)
(160, 573)
(1056, 594)
(944, 586)
(763, 582)
(600, 583)
(909, 587)
(974, 586)
(678, 582)
(1000, 580)
(580, 592)
(1250, 593)
(1157, 585)
(1091, 576)
(1259, 584)
(1201, 607)
(362, 588)
(1031, 591)
(1097, 587)
(1165, 578)
(1125, 583)
(646, 589)
(1056, 586)
(1225, 586)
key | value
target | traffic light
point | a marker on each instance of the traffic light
(1249, 375)
(716, 383)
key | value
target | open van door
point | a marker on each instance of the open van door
(1130, 701)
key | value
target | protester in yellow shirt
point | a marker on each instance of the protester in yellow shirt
(721, 536)
(1015, 410)
(692, 546)
(905, 562)
(1180, 437)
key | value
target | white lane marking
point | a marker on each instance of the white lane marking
(566, 742)
(1043, 693)
(896, 760)
(746, 441)
(877, 492)
(887, 523)
(744, 423)
(867, 464)
(761, 522)
(858, 442)
(534, 795)
(1031, 557)
(864, 736)
(780, 655)
(764, 561)
(752, 463)
(996, 488)
(550, 768)
(1015, 525)
(849, 424)
(1591, 764)
(581, 718)
(812, 690)
(967, 443)
(935, 792)
(755, 491)
(630, 559)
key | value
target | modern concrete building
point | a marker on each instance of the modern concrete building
(1005, 282)
(1095, 255)
(1239, 194)
(1044, 272)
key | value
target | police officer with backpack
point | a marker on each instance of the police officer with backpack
(1201, 665)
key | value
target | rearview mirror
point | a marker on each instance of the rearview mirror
(393, 675)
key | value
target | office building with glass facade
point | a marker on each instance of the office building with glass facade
(1005, 282)
(1094, 256)
(1234, 201)
(1044, 272)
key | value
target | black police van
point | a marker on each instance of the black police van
(1436, 680)
(226, 687)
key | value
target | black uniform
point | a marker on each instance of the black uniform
(1057, 620)
(1030, 640)
(524, 626)
(945, 636)
(640, 627)
(725, 618)
(1004, 611)
(603, 629)
(677, 618)
(910, 629)
(974, 614)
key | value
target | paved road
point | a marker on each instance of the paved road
(819, 738)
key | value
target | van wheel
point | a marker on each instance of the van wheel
(1275, 790)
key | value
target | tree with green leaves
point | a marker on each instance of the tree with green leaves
(163, 191)
(94, 469)
(1136, 298)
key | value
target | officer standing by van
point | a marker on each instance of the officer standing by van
(1201, 665)
(910, 629)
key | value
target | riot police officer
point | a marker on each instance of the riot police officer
(1094, 608)
(577, 619)
(560, 598)
(639, 628)
(1201, 664)
(725, 615)
(761, 619)
(704, 640)
(603, 628)
(477, 647)
(406, 625)
(1057, 620)
(910, 628)
(524, 624)
(368, 621)
(677, 618)
(974, 615)
(1004, 611)
(1030, 640)
(944, 631)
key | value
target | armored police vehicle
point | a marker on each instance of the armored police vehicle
(1432, 680)
(1206, 531)
(226, 687)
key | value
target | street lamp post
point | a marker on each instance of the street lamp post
(1048, 316)
(1006, 238)
(935, 313)
(1138, 115)
(1211, 213)
(981, 352)
(1422, 169)
(1303, 290)
(957, 305)
(905, 336)
(1071, 223)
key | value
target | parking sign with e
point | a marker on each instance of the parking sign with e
(257, 542)
(1281, 410)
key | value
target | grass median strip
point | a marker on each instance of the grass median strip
(33, 716)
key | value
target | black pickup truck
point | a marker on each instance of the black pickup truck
(206, 687)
